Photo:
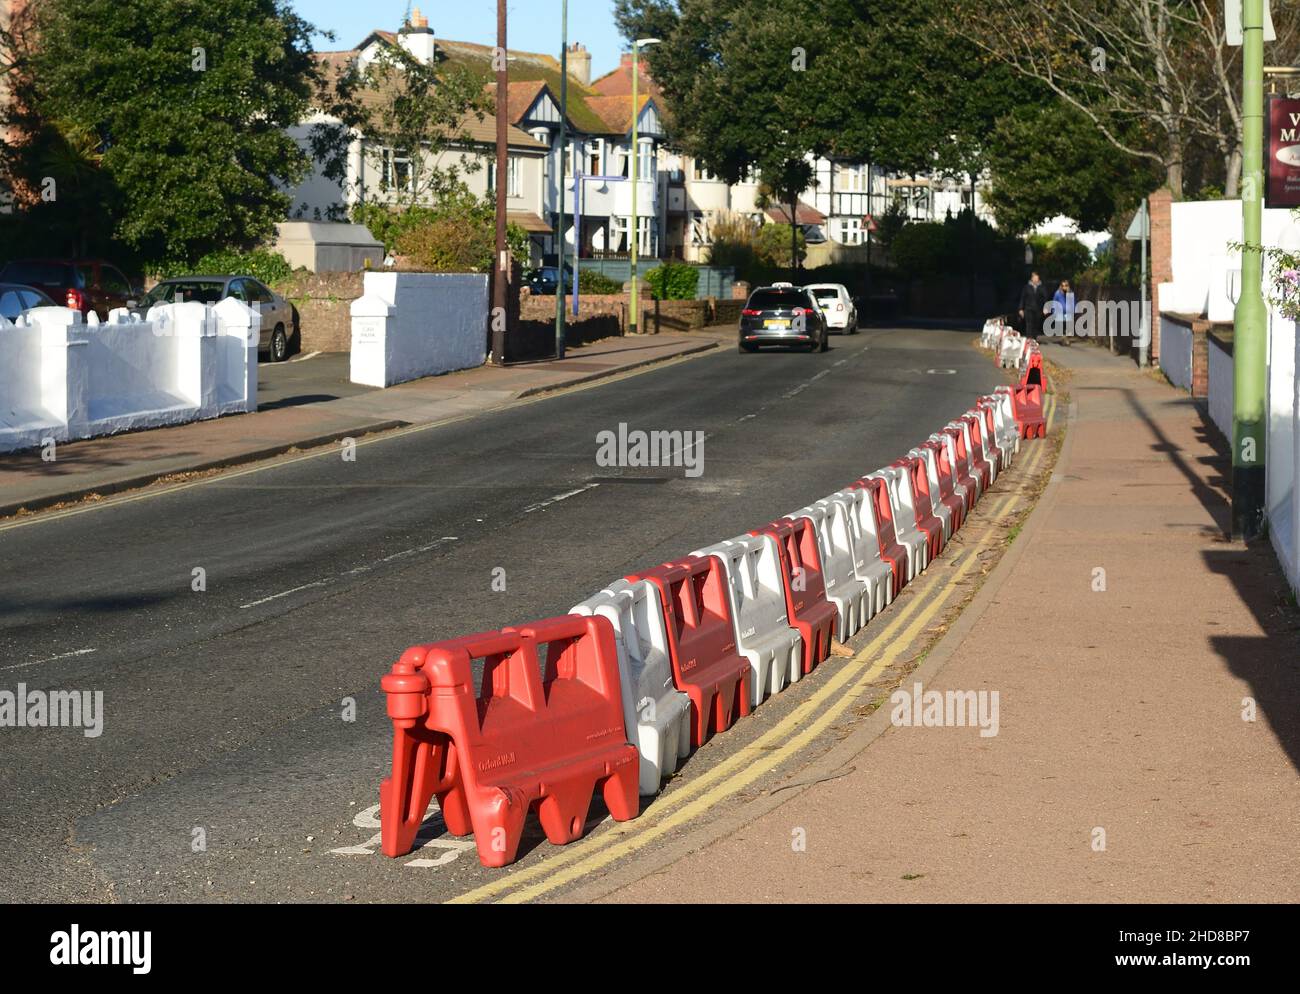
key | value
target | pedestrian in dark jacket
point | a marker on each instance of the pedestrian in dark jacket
(1033, 300)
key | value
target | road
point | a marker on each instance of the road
(227, 768)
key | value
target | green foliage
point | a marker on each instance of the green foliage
(891, 222)
(673, 281)
(772, 245)
(925, 248)
(164, 120)
(456, 235)
(594, 281)
(269, 267)
(1051, 161)
(1059, 258)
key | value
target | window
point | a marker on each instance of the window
(619, 228)
(595, 156)
(397, 173)
(568, 160)
(238, 292)
(850, 231)
(853, 179)
(10, 305)
(113, 281)
(514, 183)
(646, 163)
(702, 175)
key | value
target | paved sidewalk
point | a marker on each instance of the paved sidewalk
(122, 462)
(1120, 710)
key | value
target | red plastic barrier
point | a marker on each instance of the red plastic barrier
(891, 550)
(806, 603)
(1034, 371)
(981, 455)
(962, 466)
(702, 642)
(950, 492)
(926, 520)
(528, 741)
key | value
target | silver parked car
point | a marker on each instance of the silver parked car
(15, 298)
(276, 312)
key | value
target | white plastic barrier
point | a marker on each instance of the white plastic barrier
(1012, 348)
(950, 447)
(869, 566)
(909, 536)
(74, 379)
(1008, 437)
(409, 325)
(844, 588)
(967, 464)
(983, 447)
(657, 717)
(941, 510)
(992, 333)
(757, 591)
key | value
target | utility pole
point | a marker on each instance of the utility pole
(503, 165)
(1250, 346)
(563, 148)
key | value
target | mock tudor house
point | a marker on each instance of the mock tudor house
(597, 156)
(678, 202)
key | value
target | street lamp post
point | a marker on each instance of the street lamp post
(498, 321)
(636, 155)
(1250, 344)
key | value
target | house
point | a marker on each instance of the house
(597, 153)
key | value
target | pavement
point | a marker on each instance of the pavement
(310, 402)
(238, 624)
(1149, 718)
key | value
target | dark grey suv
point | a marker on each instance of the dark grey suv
(783, 314)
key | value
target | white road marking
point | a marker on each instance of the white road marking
(284, 593)
(452, 848)
(304, 358)
(558, 497)
(841, 362)
(746, 418)
(354, 571)
(48, 659)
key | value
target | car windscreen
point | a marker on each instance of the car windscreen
(773, 300)
(202, 291)
(827, 293)
(44, 273)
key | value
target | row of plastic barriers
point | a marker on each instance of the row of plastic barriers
(1012, 350)
(615, 695)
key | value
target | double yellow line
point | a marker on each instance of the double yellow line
(780, 743)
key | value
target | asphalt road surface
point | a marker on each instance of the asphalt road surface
(227, 768)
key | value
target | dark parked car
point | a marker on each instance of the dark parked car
(16, 298)
(544, 281)
(84, 285)
(783, 314)
(276, 312)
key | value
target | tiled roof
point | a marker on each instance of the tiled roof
(804, 214)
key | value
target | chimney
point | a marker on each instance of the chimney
(417, 38)
(580, 63)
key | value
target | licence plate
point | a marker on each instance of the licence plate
(776, 324)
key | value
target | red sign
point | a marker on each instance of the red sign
(1283, 186)
(868, 222)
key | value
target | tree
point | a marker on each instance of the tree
(744, 86)
(404, 108)
(180, 109)
(1051, 161)
(1154, 77)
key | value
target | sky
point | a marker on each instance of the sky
(532, 25)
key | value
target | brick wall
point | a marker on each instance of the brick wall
(1162, 261)
(323, 302)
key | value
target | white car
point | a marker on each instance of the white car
(837, 306)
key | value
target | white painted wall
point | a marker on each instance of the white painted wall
(64, 379)
(409, 325)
